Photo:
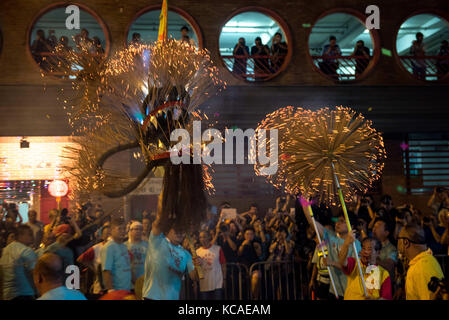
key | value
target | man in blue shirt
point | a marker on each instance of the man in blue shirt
(49, 277)
(166, 263)
(138, 249)
(115, 259)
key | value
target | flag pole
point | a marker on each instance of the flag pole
(162, 35)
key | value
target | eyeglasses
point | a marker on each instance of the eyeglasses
(415, 242)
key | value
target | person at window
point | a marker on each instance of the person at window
(64, 42)
(52, 41)
(362, 56)
(185, 36)
(260, 53)
(241, 53)
(39, 47)
(418, 50)
(97, 48)
(136, 38)
(279, 50)
(82, 40)
(443, 61)
(330, 65)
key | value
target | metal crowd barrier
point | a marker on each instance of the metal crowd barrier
(280, 280)
(236, 286)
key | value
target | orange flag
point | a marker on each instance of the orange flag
(163, 22)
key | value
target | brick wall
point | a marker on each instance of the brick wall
(399, 103)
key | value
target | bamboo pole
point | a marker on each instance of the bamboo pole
(308, 210)
(345, 212)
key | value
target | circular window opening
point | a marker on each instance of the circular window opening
(180, 26)
(254, 46)
(422, 47)
(341, 47)
(50, 31)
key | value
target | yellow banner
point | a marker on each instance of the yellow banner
(163, 22)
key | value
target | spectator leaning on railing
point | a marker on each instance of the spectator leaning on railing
(241, 50)
(329, 66)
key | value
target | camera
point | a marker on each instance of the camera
(436, 283)
(440, 189)
(426, 220)
(223, 228)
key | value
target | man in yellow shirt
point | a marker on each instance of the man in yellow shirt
(377, 279)
(422, 264)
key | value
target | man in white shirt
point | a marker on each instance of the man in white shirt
(213, 265)
(17, 263)
(49, 277)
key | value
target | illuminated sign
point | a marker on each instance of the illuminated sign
(42, 160)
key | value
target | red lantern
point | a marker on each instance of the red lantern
(58, 188)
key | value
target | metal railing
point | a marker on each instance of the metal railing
(342, 68)
(426, 67)
(236, 283)
(54, 63)
(253, 67)
(279, 280)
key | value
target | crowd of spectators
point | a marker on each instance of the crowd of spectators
(331, 52)
(267, 60)
(400, 240)
(421, 64)
(396, 247)
(43, 46)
